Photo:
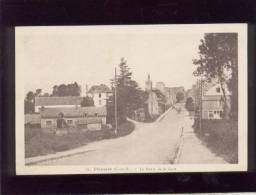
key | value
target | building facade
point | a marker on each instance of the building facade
(213, 102)
(99, 94)
(80, 117)
(57, 102)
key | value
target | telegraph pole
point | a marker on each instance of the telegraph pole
(200, 104)
(115, 103)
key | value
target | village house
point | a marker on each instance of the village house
(156, 100)
(57, 102)
(212, 101)
(99, 94)
(91, 118)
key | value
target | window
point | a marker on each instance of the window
(48, 123)
(85, 115)
(70, 122)
(96, 114)
(218, 90)
(99, 95)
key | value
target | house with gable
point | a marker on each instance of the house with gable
(213, 102)
(99, 94)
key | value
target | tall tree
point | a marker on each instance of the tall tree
(129, 96)
(218, 60)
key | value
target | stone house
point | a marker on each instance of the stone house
(213, 102)
(57, 102)
(99, 94)
(91, 118)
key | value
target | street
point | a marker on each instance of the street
(150, 143)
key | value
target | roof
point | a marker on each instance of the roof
(73, 112)
(102, 88)
(65, 100)
(213, 91)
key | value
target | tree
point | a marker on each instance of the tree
(179, 96)
(38, 92)
(218, 60)
(87, 101)
(72, 89)
(29, 103)
(190, 104)
(129, 96)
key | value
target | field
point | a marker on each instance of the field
(39, 142)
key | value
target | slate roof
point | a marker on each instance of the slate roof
(73, 112)
(102, 88)
(65, 100)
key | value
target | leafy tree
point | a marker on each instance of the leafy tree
(87, 101)
(190, 104)
(179, 96)
(72, 89)
(38, 92)
(218, 60)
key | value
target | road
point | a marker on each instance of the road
(149, 143)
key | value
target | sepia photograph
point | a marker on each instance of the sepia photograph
(131, 99)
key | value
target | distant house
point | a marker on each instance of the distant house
(212, 101)
(156, 100)
(100, 94)
(91, 118)
(57, 102)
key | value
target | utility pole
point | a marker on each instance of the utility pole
(200, 104)
(115, 103)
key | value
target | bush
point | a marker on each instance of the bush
(221, 136)
(180, 96)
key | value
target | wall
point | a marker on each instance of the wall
(74, 123)
(94, 127)
(97, 99)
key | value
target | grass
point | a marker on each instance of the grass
(38, 142)
(221, 137)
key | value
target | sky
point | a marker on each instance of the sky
(89, 55)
